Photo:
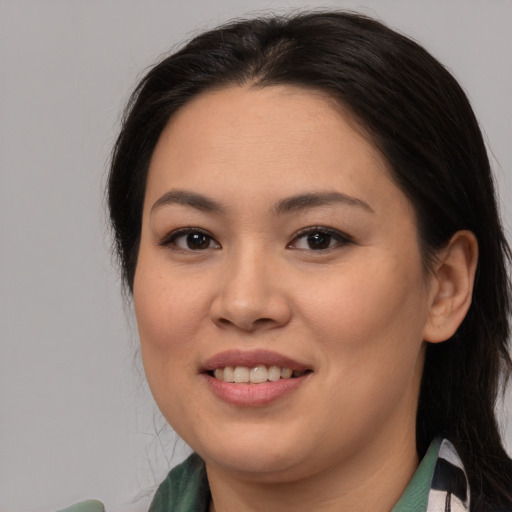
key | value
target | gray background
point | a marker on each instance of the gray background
(76, 419)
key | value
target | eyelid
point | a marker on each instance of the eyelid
(169, 239)
(341, 237)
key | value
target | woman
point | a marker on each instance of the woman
(305, 216)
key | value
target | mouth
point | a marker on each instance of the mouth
(254, 377)
(258, 374)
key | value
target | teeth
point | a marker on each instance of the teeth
(274, 373)
(241, 374)
(229, 374)
(286, 373)
(256, 375)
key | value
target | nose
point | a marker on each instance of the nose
(250, 297)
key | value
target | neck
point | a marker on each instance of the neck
(374, 482)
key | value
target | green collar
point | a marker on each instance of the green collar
(186, 487)
(184, 490)
(439, 484)
(415, 496)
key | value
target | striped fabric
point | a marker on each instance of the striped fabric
(449, 490)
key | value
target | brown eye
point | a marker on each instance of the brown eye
(197, 241)
(319, 239)
(190, 240)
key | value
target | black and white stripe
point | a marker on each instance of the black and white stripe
(449, 490)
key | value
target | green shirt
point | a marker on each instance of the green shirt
(186, 487)
(439, 484)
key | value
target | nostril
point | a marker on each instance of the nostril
(264, 311)
(250, 325)
(262, 321)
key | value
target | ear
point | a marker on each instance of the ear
(451, 286)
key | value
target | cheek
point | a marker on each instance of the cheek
(169, 311)
(370, 314)
(170, 315)
(368, 328)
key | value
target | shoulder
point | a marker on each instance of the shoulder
(85, 506)
(185, 488)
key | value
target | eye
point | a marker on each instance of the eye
(318, 239)
(190, 239)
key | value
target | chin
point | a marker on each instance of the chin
(258, 455)
(262, 468)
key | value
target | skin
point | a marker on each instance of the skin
(357, 312)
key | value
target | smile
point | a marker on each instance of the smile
(255, 375)
(253, 378)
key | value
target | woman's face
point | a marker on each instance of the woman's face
(273, 237)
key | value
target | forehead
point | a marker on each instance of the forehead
(268, 114)
(261, 141)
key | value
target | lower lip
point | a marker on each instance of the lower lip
(253, 395)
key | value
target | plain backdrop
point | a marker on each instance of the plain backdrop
(76, 419)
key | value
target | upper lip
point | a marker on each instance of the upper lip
(251, 358)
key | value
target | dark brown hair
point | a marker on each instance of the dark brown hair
(420, 119)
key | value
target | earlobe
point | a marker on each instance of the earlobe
(451, 286)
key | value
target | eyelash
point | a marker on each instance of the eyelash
(171, 238)
(327, 235)
(341, 239)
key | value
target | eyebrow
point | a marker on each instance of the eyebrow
(197, 201)
(315, 199)
(288, 205)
